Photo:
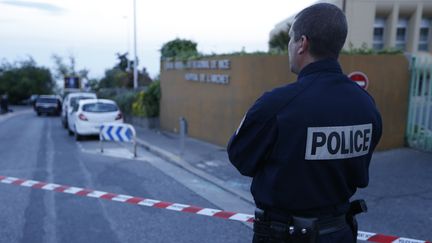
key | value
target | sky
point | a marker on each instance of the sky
(93, 31)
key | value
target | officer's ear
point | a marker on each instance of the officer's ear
(303, 45)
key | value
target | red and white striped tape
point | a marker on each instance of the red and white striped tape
(127, 199)
(365, 236)
(373, 237)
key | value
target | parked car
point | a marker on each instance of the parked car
(48, 104)
(69, 101)
(88, 116)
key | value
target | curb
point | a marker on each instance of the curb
(185, 165)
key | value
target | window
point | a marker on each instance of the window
(378, 33)
(47, 100)
(74, 100)
(100, 107)
(424, 35)
(401, 33)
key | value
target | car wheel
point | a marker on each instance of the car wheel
(77, 136)
(38, 114)
(70, 132)
(65, 124)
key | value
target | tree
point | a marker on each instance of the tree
(124, 63)
(24, 78)
(93, 84)
(279, 42)
(144, 77)
(121, 76)
(63, 70)
(115, 77)
(180, 48)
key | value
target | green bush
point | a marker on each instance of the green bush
(146, 104)
(179, 48)
(151, 99)
(365, 50)
(125, 101)
(123, 97)
(279, 42)
(142, 103)
(138, 105)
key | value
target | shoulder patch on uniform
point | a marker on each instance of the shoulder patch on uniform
(326, 143)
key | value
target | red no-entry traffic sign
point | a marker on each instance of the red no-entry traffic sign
(360, 78)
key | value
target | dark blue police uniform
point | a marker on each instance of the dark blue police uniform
(308, 144)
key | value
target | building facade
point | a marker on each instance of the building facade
(379, 24)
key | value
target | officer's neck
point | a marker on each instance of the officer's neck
(306, 59)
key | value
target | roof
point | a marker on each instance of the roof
(90, 101)
(49, 96)
(82, 94)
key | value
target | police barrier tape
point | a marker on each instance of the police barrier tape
(365, 236)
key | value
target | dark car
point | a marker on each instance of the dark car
(48, 104)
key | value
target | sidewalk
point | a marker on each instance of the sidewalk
(16, 110)
(203, 159)
(399, 194)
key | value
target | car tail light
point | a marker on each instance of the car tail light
(119, 116)
(82, 117)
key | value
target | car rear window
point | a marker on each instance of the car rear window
(46, 100)
(74, 100)
(100, 107)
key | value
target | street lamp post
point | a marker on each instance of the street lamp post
(135, 74)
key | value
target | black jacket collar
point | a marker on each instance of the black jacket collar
(325, 65)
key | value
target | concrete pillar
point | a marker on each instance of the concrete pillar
(361, 18)
(391, 27)
(414, 29)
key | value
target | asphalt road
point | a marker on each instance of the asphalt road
(38, 148)
(399, 194)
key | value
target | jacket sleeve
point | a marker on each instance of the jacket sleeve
(252, 143)
(378, 130)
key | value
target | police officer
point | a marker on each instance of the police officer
(308, 144)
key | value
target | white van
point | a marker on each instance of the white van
(70, 101)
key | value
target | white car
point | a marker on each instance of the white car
(69, 101)
(88, 116)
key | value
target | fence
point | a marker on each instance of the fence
(419, 127)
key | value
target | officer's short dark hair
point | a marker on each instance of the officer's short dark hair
(325, 26)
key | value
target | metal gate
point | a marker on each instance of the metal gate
(419, 127)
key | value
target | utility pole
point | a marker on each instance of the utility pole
(135, 73)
